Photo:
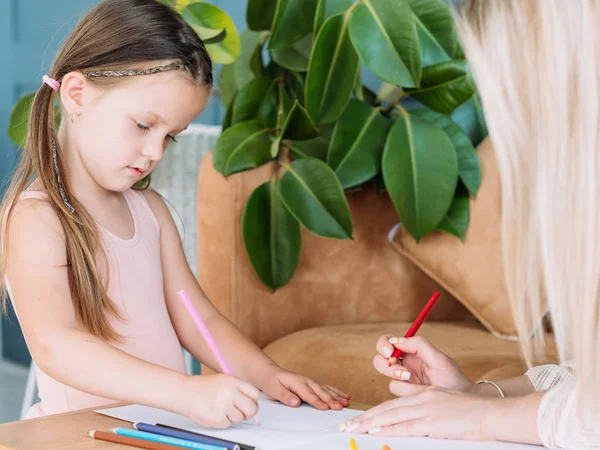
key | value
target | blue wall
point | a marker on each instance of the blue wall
(30, 34)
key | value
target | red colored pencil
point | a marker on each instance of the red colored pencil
(415, 326)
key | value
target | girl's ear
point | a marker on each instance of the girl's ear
(72, 92)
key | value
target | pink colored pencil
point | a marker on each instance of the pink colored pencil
(208, 337)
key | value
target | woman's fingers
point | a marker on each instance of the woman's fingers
(396, 371)
(421, 347)
(383, 346)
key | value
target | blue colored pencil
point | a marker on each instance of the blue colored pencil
(186, 435)
(242, 446)
(164, 439)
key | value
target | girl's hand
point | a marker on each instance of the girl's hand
(217, 401)
(428, 411)
(421, 364)
(291, 389)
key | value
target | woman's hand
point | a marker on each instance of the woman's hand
(428, 411)
(445, 414)
(421, 364)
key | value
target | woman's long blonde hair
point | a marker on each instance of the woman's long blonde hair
(537, 65)
(115, 35)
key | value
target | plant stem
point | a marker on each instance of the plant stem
(281, 92)
(401, 110)
(395, 104)
(354, 5)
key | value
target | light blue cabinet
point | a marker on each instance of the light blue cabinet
(30, 34)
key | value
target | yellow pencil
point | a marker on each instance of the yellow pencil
(353, 445)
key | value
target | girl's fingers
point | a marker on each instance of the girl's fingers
(325, 395)
(306, 393)
(340, 392)
(336, 397)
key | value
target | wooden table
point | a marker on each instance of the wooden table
(68, 431)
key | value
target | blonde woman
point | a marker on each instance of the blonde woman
(537, 65)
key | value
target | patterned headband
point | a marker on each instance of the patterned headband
(54, 84)
(133, 72)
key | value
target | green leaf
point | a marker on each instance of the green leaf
(469, 117)
(456, 221)
(274, 70)
(286, 100)
(480, 116)
(469, 168)
(178, 5)
(260, 13)
(331, 71)
(227, 120)
(313, 148)
(380, 183)
(385, 36)
(314, 196)
(18, 123)
(328, 8)
(275, 146)
(257, 100)
(357, 144)
(293, 20)
(437, 34)
(298, 125)
(296, 56)
(247, 67)
(250, 57)
(208, 34)
(445, 86)
(358, 88)
(420, 170)
(369, 96)
(295, 85)
(241, 147)
(204, 15)
(271, 235)
(256, 62)
(227, 84)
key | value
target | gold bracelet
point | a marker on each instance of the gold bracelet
(493, 384)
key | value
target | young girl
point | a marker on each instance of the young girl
(93, 266)
(537, 64)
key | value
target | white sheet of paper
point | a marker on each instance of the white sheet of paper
(298, 428)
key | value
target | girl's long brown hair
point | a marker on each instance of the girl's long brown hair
(115, 35)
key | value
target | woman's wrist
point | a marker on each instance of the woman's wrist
(488, 388)
(484, 390)
(514, 419)
(511, 387)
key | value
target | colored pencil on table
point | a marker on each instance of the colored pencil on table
(132, 442)
(214, 348)
(397, 353)
(242, 446)
(353, 445)
(187, 435)
(182, 443)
